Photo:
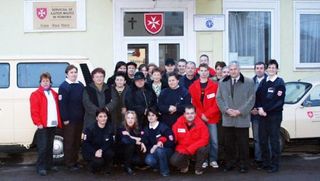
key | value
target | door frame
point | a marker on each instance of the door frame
(120, 42)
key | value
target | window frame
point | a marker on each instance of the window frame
(17, 72)
(272, 6)
(3, 63)
(300, 8)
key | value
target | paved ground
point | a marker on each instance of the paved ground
(300, 161)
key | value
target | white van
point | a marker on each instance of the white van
(301, 111)
(19, 77)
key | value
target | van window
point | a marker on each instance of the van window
(295, 91)
(29, 73)
(314, 97)
(4, 75)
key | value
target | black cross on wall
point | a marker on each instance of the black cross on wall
(132, 21)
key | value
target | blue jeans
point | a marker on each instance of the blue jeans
(255, 131)
(159, 159)
(269, 129)
(213, 150)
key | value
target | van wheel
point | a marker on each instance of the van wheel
(58, 154)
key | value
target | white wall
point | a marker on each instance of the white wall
(95, 43)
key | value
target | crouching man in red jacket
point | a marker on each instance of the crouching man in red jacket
(192, 139)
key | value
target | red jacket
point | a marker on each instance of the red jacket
(189, 141)
(38, 107)
(209, 107)
(212, 72)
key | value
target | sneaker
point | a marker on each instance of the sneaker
(273, 170)
(184, 170)
(205, 165)
(155, 170)
(42, 172)
(129, 171)
(243, 169)
(214, 164)
(145, 167)
(74, 168)
(228, 168)
(54, 169)
(165, 174)
(198, 172)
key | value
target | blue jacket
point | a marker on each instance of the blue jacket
(179, 97)
(270, 95)
(161, 133)
(70, 102)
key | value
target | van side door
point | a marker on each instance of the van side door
(308, 115)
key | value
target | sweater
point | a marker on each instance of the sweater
(70, 102)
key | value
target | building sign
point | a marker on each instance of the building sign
(169, 23)
(208, 22)
(54, 16)
(153, 22)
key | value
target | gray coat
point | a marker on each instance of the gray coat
(243, 100)
(100, 102)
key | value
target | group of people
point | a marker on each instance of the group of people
(156, 118)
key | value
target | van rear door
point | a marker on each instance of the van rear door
(27, 79)
(6, 105)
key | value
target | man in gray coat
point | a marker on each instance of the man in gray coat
(236, 98)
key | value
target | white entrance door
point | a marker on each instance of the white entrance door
(153, 51)
(134, 43)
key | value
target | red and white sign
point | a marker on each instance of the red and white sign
(310, 114)
(42, 13)
(153, 22)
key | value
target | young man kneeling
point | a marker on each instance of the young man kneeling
(192, 139)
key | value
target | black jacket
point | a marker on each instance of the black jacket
(179, 97)
(139, 100)
(96, 138)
